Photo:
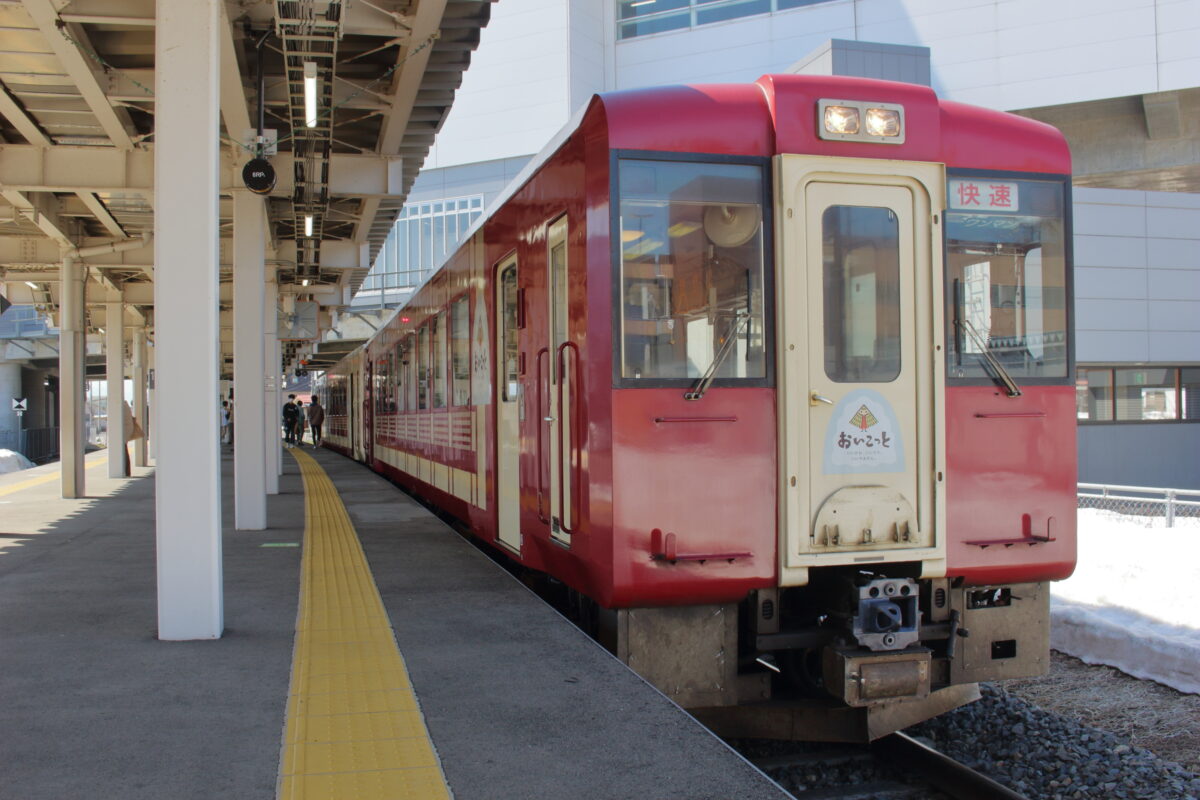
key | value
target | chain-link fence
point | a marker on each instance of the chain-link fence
(1148, 505)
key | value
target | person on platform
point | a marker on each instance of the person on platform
(224, 422)
(300, 423)
(290, 414)
(316, 418)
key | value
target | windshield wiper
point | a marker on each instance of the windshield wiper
(999, 373)
(741, 318)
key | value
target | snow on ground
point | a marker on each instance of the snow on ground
(13, 462)
(1134, 600)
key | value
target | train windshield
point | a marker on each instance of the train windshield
(691, 239)
(1006, 292)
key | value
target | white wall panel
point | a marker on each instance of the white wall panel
(1173, 346)
(1111, 315)
(1175, 315)
(1099, 346)
(1098, 283)
(1175, 284)
(1110, 220)
(1173, 223)
(1174, 253)
(1110, 251)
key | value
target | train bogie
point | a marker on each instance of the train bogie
(774, 378)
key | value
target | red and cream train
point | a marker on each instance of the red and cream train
(776, 378)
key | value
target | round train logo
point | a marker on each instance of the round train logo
(863, 436)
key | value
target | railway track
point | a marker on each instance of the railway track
(896, 767)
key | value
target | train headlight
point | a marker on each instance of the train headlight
(860, 121)
(841, 120)
(883, 122)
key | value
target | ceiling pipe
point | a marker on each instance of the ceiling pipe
(112, 247)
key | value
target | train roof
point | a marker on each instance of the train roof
(778, 114)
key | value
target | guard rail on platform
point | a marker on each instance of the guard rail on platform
(1141, 501)
(39, 445)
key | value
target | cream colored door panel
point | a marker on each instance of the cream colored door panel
(859, 376)
(508, 408)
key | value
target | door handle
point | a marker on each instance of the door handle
(815, 399)
(548, 419)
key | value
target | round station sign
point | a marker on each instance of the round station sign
(259, 175)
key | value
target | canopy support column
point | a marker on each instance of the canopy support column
(72, 351)
(249, 363)
(114, 371)
(186, 233)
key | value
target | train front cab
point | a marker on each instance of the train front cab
(925, 462)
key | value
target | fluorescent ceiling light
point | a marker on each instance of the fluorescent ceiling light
(31, 284)
(310, 94)
(308, 219)
(641, 3)
(304, 282)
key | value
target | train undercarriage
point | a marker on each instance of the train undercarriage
(852, 656)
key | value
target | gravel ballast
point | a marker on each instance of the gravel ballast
(1044, 755)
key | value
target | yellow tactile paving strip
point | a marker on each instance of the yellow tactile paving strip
(353, 726)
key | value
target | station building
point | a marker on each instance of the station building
(1120, 79)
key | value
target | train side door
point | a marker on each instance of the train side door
(860, 403)
(368, 407)
(556, 374)
(509, 406)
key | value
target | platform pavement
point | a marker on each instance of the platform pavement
(93, 705)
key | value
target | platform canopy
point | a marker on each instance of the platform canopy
(77, 112)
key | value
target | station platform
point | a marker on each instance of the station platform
(490, 694)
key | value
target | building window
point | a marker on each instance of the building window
(1137, 394)
(644, 17)
(423, 235)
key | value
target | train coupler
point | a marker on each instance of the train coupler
(863, 678)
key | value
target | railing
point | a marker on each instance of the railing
(24, 322)
(39, 445)
(1141, 501)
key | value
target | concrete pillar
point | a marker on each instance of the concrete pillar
(72, 349)
(271, 411)
(249, 363)
(139, 394)
(186, 324)
(114, 361)
(10, 389)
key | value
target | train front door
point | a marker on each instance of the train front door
(862, 412)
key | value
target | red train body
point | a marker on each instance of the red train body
(779, 370)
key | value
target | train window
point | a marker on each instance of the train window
(1006, 292)
(509, 315)
(411, 375)
(423, 368)
(401, 387)
(460, 350)
(691, 239)
(861, 247)
(439, 360)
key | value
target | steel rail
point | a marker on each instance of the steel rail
(944, 772)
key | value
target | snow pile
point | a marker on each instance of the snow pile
(13, 462)
(1132, 602)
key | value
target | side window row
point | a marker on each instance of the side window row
(429, 368)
